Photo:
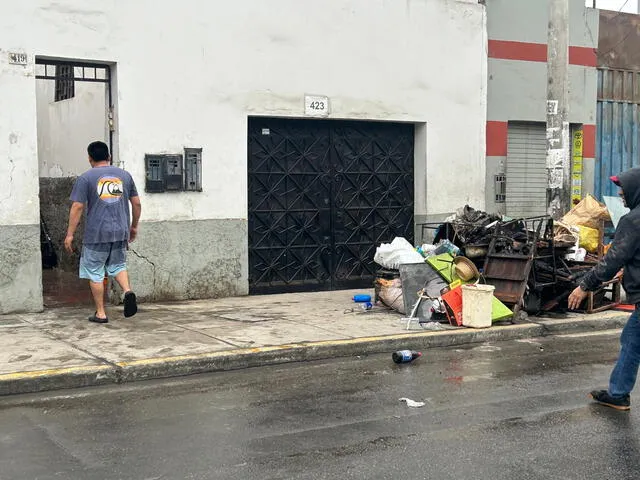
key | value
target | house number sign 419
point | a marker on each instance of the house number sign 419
(316, 106)
(17, 58)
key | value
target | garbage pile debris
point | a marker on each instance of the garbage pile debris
(501, 266)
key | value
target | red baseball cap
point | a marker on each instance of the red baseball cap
(615, 180)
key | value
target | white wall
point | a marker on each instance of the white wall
(19, 204)
(190, 73)
(65, 128)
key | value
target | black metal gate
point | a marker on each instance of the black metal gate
(322, 195)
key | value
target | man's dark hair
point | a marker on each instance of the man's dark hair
(98, 151)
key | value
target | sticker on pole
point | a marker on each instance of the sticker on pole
(316, 106)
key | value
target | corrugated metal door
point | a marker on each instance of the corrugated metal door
(526, 194)
(618, 127)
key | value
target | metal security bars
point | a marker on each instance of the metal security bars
(65, 85)
(78, 71)
(500, 188)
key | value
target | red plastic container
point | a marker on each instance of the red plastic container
(453, 301)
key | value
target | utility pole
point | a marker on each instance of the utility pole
(558, 141)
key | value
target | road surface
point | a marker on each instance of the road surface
(514, 410)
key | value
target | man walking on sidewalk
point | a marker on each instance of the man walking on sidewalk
(107, 191)
(624, 253)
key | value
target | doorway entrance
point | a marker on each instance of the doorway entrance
(323, 194)
(74, 107)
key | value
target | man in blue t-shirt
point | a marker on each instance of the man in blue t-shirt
(107, 191)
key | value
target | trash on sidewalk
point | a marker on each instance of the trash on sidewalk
(364, 301)
(477, 305)
(412, 315)
(426, 286)
(420, 282)
(412, 403)
(532, 265)
(389, 292)
(433, 326)
(588, 213)
(362, 298)
(396, 253)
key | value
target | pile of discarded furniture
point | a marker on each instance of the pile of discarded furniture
(532, 264)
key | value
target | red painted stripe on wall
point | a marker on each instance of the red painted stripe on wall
(507, 50)
(496, 139)
(589, 141)
(584, 56)
(537, 52)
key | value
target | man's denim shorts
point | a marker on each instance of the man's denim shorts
(99, 259)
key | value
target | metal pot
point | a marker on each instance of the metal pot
(476, 251)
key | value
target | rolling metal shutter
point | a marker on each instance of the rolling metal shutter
(526, 194)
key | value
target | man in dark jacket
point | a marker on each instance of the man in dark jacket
(624, 253)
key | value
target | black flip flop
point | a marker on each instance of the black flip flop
(130, 304)
(95, 319)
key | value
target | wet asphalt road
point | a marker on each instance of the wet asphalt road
(515, 410)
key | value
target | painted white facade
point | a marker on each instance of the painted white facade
(65, 128)
(19, 204)
(193, 71)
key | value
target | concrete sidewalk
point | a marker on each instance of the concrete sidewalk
(61, 349)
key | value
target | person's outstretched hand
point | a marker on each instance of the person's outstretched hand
(576, 298)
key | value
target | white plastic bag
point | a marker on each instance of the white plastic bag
(399, 252)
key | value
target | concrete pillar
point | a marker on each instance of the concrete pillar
(558, 138)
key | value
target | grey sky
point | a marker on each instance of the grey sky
(631, 6)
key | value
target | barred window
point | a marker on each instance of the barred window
(500, 186)
(65, 84)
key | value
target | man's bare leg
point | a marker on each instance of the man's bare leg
(97, 290)
(123, 280)
(130, 302)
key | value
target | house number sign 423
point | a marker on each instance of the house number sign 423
(17, 58)
(316, 106)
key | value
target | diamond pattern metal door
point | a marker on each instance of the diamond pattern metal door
(289, 206)
(373, 203)
(322, 196)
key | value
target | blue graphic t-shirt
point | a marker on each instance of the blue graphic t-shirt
(106, 191)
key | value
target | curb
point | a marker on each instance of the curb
(585, 323)
(165, 367)
(254, 357)
(57, 379)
